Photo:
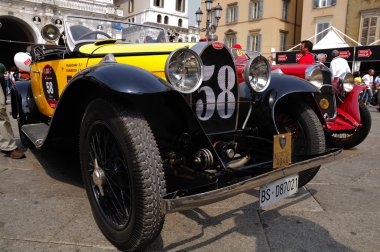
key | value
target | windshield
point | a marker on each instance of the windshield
(86, 30)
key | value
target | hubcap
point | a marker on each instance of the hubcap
(99, 177)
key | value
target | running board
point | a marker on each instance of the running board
(36, 133)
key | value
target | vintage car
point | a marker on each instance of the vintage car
(346, 122)
(164, 127)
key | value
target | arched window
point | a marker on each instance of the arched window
(180, 22)
(159, 19)
(166, 20)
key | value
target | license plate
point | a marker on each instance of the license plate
(282, 150)
(278, 190)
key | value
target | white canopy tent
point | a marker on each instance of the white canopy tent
(331, 40)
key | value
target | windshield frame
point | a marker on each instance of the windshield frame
(72, 43)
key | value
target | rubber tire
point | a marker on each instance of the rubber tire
(137, 144)
(359, 135)
(314, 137)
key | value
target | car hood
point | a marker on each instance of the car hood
(151, 57)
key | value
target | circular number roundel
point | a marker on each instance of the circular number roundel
(50, 86)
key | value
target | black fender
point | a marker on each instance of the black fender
(282, 89)
(127, 83)
(123, 78)
(167, 111)
(22, 101)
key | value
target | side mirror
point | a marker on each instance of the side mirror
(50, 32)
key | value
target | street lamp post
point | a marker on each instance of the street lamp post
(210, 28)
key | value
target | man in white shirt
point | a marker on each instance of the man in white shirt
(368, 80)
(338, 65)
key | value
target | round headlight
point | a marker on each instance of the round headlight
(314, 76)
(257, 73)
(184, 70)
(348, 81)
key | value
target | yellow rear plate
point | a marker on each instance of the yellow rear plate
(282, 150)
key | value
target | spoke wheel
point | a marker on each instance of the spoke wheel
(109, 177)
(122, 173)
(350, 140)
(307, 135)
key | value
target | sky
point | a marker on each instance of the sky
(193, 7)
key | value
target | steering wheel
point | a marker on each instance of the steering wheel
(94, 32)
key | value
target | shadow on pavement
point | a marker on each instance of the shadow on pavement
(61, 163)
(272, 231)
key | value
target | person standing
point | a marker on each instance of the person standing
(368, 80)
(322, 57)
(2, 80)
(271, 61)
(338, 65)
(7, 139)
(306, 48)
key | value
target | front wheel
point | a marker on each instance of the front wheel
(350, 140)
(307, 135)
(122, 173)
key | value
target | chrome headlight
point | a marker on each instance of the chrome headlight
(348, 81)
(184, 70)
(257, 73)
(314, 76)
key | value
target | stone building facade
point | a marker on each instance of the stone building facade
(265, 26)
(363, 21)
(172, 15)
(22, 20)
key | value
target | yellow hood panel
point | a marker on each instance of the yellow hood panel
(131, 48)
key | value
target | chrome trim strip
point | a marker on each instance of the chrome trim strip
(193, 201)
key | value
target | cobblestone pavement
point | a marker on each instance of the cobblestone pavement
(44, 207)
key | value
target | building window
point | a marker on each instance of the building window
(283, 36)
(319, 28)
(130, 6)
(193, 39)
(179, 22)
(255, 9)
(285, 9)
(254, 42)
(166, 20)
(232, 14)
(180, 5)
(323, 3)
(158, 3)
(230, 40)
(159, 19)
(369, 29)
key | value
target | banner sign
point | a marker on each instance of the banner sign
(367, 53)
(359, 53)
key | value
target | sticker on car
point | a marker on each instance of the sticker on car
(50, 86)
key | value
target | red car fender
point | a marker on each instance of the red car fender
(348, 114)
(351, 102)
(343, 121)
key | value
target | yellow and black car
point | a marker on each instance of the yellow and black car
(164, 127)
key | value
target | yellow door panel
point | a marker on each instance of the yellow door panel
(49, 78)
